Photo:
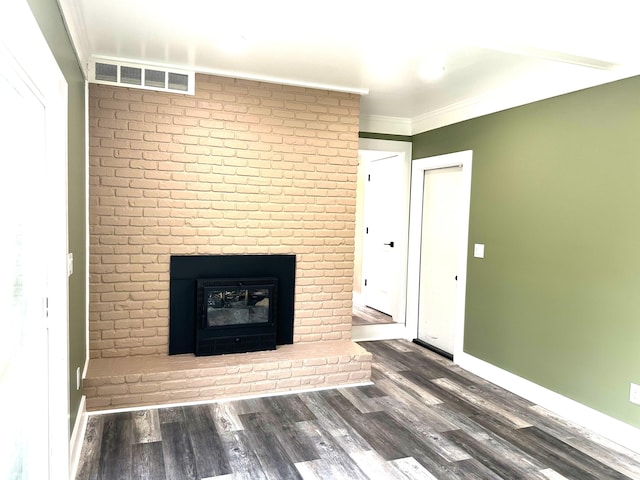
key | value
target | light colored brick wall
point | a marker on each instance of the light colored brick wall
(242, 167)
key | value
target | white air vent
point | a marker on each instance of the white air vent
(148, 77)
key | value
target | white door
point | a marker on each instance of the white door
(34, 406)
(382, 220)
(24, 361)
(439, 257)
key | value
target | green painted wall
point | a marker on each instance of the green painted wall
(555, 198)
(50, 21)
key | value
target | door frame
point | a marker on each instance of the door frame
(397, 329)
(22, 39)
(463, 159)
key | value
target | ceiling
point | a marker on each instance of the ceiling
(495, 54)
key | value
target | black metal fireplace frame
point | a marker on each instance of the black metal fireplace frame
(185, 270)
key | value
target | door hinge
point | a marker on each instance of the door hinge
(366, 230)
(369, 178)
(46, 307)
(365, 282)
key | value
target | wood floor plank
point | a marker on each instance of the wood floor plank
(472, 469)
(374, 466)
(358, 399)
(333, 460)
(551, 474)
(372, 391)
(147, 461)
(170, 415)
(505, 462)
(551, 451)
(288, 408)
(225, 417)
(572, 460)
(273, 456)
(392, 440)
(380, 439)
(481, 402)
(433, 452)
(281, 416)
(363, 315)
(333, 424)
(242, 458)
(89, 462)
(518, 459)
(146, 426)
(115, 451)
(390, 357)
(179, 459)
(394, 384)
(205, 442)
(590, 443)
(424, 418)
(412, 469)
(276, 422)
(452, 400)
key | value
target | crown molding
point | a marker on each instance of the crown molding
(74, 20)
(281, 80)
(387, 125)
(497, 101)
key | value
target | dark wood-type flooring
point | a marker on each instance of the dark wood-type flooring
(424, 418)
(368, 316)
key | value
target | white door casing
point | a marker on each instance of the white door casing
(463, 159)
(388, 148)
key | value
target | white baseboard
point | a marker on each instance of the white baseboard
(381, 331)
(77, 437)
(358, 298)
(603, 425)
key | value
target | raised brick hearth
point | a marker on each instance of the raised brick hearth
(240, 168)
(129, 382)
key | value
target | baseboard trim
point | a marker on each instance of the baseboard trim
(380, 331)
(608, 427)
(77, 437)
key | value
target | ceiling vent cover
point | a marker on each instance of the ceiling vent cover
(147, 77)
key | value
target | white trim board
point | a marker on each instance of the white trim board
(393, 330)
(387, 125)
(615, 430)
(383, 331)
(77, 437)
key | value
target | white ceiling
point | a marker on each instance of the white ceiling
(496, 54)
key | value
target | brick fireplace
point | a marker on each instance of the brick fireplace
(241, 168)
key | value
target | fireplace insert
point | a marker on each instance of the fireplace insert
(230, 303)
(235, 315)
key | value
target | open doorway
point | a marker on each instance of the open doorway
(381, 240)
